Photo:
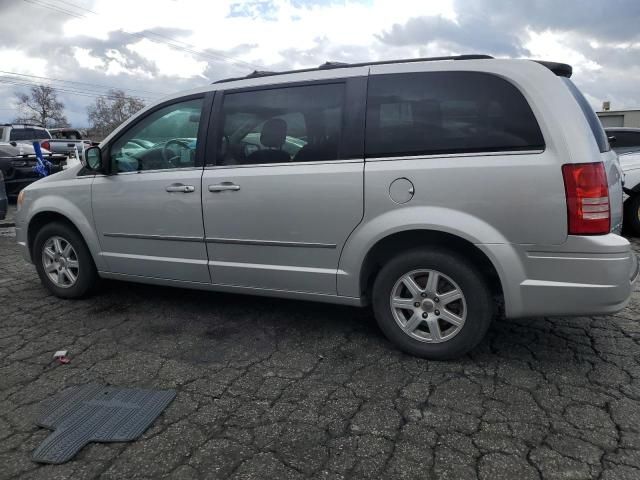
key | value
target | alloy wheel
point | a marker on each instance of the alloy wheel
(428, 306)
(60, 262)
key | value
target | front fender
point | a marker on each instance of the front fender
(75, 206)
(472, 229)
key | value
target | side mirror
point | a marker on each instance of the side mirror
(612, 139)
(93, 159)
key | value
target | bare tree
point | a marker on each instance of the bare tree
(41, 106)
(110, 110)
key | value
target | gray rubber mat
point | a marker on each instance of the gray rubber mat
(96, 413)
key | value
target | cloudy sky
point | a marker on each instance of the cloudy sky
(150, 48)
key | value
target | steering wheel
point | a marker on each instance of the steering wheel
(169, 155)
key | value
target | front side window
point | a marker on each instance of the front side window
(165, 139)
(447, 112)
(279, 125)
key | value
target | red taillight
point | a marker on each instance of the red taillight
(46, 145)
(587, 193)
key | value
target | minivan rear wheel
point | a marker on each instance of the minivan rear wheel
(63, 261)
(632, 215)
(432, 304)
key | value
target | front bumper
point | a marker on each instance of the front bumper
(585, 276)
(21, 242)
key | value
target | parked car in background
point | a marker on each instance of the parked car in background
(4, 201)
(630, 164)
(624, 139)
(17, 161)
(427, 188)
(64, 143)
(23, 133)
(67, 140)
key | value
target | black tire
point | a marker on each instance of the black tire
(87, 276)
(632, 215)
(479, 304)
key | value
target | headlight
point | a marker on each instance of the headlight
(20, 199)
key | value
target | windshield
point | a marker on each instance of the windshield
(592, 119)
(28, 134)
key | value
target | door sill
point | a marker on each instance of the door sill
(216, 287)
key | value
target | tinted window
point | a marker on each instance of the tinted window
(292, 124)
(625, 138)
(592, 119)
(164, 139)
(28, 134)
(447, 112)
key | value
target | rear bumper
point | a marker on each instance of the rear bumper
(588, 276)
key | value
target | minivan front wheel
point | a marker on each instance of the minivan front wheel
(63, 261)
(432, 304)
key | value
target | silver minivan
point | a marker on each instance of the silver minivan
(439, 191)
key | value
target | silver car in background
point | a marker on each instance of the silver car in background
(436, 190)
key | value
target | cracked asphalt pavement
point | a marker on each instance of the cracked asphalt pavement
(286, 389)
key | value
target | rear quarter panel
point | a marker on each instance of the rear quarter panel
(507, 201)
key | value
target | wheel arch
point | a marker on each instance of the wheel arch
(41, 219)
(387, 247)
(49, 209)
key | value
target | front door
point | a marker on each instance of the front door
(148, 212)
(284, 194)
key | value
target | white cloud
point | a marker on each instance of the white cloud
(170, 62)
(235, 36)
(86, 60)
(556, 46)
(15, 60)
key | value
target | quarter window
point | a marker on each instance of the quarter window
(280, 125)
(165, 139)
(447, 112)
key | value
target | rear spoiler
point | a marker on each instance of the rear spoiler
(560, 69)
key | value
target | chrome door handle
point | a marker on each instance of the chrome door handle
(181, 188)
(223, 187)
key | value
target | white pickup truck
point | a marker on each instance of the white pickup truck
(64, 141)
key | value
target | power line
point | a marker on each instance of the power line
(28, 83)
(83, 83)
(84, 93)
(215, 56)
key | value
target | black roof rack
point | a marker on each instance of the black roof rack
(332, 65)
(560, 69)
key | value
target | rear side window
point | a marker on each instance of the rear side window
(592, 119)
(447, 112)
(285, 124)
(28, 134)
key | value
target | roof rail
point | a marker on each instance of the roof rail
(332, 65)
